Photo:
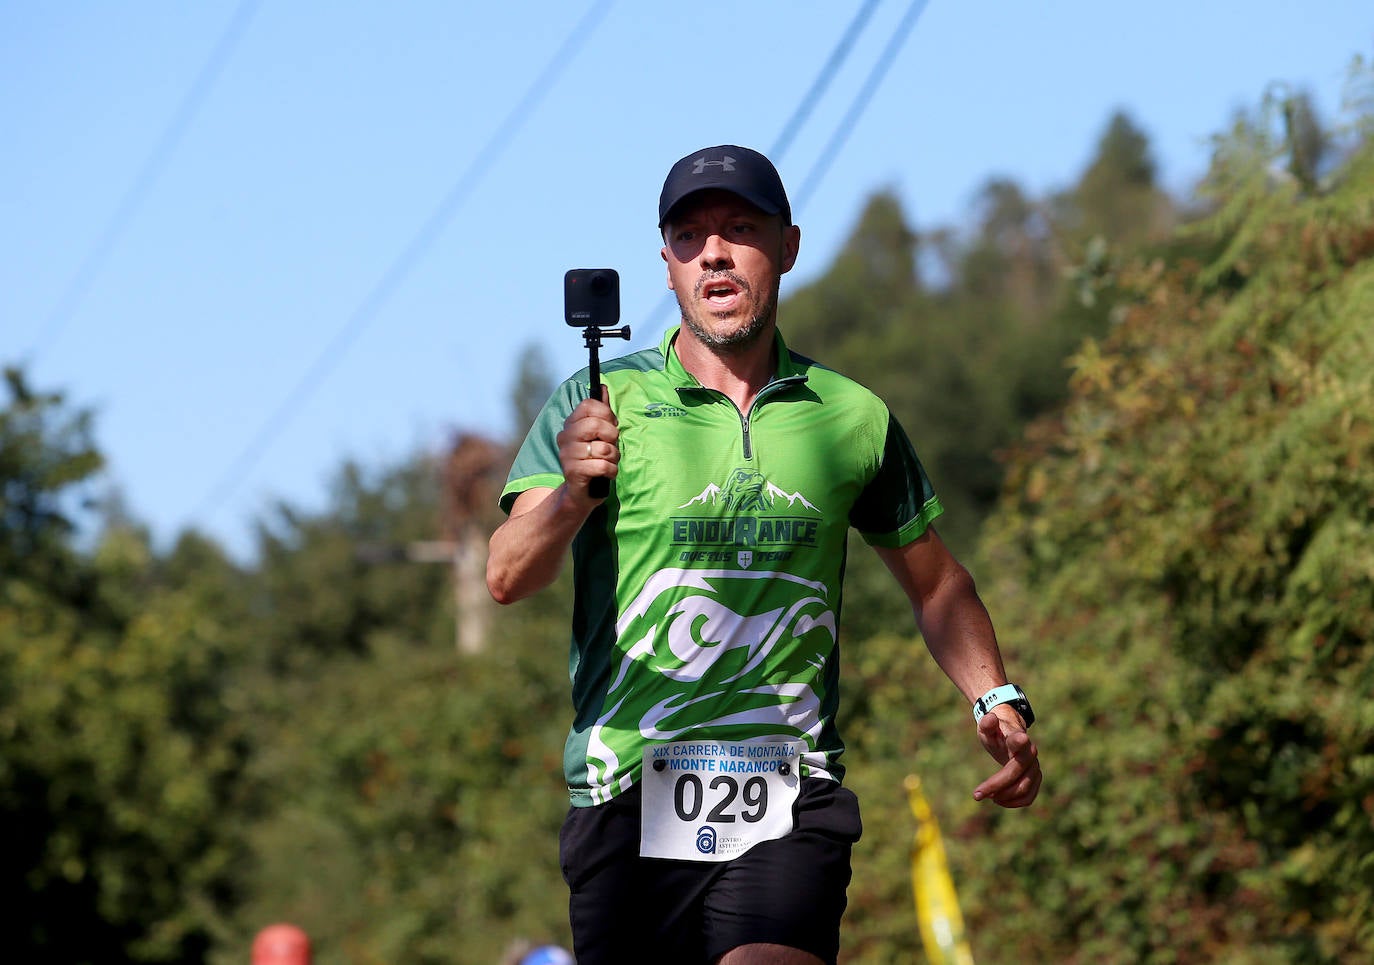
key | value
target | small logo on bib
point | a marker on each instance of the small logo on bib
(706, 839)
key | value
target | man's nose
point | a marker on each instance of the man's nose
(715, 253)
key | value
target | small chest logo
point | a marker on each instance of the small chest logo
(662, 410)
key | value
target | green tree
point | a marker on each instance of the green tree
(323, 585)
(119, 755)
(417, 799)
(1117, 198)
(46, 455)
(1186, 550)
(531, 389)
(408, 797)
(1308, 143)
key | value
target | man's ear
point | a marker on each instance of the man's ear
(663, 253)
(791, 244)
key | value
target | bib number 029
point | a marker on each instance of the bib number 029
(713, 800)
(689, 797)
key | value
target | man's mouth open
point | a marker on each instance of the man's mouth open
(721, 294)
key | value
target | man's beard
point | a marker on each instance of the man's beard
(740, 338)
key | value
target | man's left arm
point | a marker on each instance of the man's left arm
(959, 634)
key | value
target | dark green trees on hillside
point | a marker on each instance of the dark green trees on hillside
(46, 452)
(1118, 197)
(120, 750)
(190, 751)
(1187, 549)
(409, 796)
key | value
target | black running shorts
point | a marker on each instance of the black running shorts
(788, 891)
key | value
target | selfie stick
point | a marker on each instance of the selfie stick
(599, 486)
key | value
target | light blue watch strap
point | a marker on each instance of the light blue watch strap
(1005, 694)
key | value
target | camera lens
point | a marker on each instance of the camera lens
(601, 283)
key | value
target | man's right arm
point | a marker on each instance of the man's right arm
(527, 550)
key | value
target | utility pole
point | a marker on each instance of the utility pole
(469, 585)
(470, 478)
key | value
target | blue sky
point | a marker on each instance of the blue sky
(259, 238)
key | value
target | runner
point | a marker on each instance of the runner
(708, 819)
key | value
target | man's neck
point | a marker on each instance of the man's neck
(739, 372)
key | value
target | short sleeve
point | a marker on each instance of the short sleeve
(536, 463)
(899, 502)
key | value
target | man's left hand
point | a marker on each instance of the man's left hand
(1005, 738)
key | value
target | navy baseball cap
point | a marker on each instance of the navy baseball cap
(730, 168)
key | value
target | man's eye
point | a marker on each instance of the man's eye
(685, 235)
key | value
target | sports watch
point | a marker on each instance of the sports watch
(1005, 694)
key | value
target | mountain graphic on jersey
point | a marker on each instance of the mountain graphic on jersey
(748, 491)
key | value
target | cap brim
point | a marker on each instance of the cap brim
(763, 204)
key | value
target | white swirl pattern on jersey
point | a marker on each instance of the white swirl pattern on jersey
(695, 632)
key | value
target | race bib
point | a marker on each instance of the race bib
(714, 800)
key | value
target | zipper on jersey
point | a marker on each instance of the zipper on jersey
(745, 421)
(745, 426)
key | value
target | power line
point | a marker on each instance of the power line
(860, 103)
(823, 78)
(143, 182)
(813, 94)
(400, 268)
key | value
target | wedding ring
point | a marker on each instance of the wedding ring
(589, 450)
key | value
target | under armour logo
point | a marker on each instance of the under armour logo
(727, 163)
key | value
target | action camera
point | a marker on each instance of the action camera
(591, 297)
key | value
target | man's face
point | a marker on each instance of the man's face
(725, 259)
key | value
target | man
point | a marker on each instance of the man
(708, 822)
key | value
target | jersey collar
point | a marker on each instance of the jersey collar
(788, 369)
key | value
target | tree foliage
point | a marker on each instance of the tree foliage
(45, 452)
(1186, 551)
(119, 751)
(408, 793)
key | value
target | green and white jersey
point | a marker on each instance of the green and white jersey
(708, 583)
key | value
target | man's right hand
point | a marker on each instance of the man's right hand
(527, 550)
(589, 445)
